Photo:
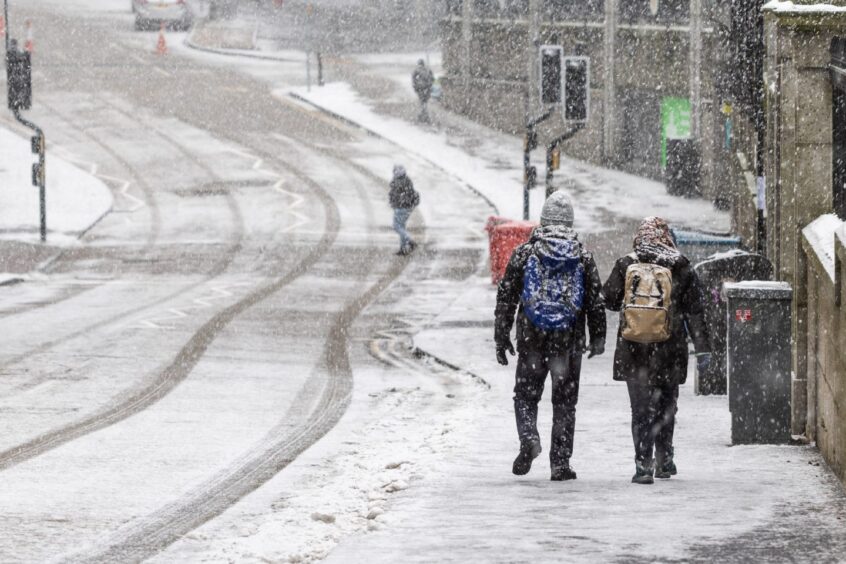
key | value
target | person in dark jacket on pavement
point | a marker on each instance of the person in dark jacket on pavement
(553, 286)
(652, 357)
(403, 199)
(423, 80)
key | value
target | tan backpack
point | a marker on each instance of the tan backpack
(646, 305)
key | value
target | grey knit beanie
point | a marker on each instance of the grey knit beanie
(557, 210)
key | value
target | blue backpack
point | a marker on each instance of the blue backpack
(554, 285)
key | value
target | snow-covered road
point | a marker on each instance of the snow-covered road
(207, 331)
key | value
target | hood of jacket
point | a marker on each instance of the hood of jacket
(654, 243)
(556, 246)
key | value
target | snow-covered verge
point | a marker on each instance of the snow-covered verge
(494, 171)
(76, 199)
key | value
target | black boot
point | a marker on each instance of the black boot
(563, 473)
(666, 469)
(523, 462)
(643, 473)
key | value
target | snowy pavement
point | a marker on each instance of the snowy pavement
(747, 497)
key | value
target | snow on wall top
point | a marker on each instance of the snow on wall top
(788, 7)
(820, 234)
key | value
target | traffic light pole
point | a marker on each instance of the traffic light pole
(550, 149)
(39, 176)
(530, 174)
(20, 97)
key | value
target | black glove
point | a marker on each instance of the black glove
(703, 362)
(597, 347)
(501, 348)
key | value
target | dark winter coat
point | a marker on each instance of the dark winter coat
(402, 194)
(660, 363)
(530, 338)
(422, 79)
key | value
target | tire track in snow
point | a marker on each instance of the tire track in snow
(149, 535)
(189, 355)
(217, 269)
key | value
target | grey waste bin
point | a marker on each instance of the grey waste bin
(759, 360)
(731, 266)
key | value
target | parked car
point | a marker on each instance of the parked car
(151, 14)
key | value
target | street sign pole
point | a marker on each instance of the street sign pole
(39, 170)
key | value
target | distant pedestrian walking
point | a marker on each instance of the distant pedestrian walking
(553, 285)
(660, 301)
(423, 80)
(403, 199)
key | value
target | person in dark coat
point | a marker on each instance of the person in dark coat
(403, 199)
(423, 80)
(554, 352)
(654, 371)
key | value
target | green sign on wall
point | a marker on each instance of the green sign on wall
(675, 122)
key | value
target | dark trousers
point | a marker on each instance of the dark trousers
(653, 421)
(532, 369)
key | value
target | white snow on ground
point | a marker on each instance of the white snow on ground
(346, 483)
(76, 199)
(428, 473)
(598, 191)
(473, 509)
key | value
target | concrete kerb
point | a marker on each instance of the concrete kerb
(372, 133)
(190, 43)
(416, 350)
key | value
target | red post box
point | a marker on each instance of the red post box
(505, 235)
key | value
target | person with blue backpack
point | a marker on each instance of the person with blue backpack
(553, 286)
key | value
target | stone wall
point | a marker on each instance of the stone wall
(798, 156)
(825, 401)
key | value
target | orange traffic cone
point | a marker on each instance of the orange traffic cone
(29, 45)
(161, 46)
(2, 26)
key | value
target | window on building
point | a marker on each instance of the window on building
(838, 79)
(573, 10)
(655, 11)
